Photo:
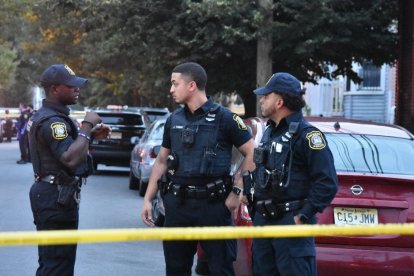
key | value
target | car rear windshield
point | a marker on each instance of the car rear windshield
(155, 115)
(121, 119)
(158, 132)
(372, 154)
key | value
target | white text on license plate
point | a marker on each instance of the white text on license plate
(116, 135)
(355, 216)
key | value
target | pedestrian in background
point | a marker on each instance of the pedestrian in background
(8, 126)
(25, 114)
(198, 141)
(295, 178)
(60, 164)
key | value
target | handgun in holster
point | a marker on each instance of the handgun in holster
(67, 187)
(163, 184)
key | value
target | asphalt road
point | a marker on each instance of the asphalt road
(106, 203)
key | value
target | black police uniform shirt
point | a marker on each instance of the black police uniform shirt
(57, 133)
(232, 130)
(313, 175)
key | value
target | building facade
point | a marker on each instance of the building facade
(373, 99)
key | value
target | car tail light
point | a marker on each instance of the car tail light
(152, 153)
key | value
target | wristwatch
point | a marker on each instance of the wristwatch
(236, 190)
(303, 218)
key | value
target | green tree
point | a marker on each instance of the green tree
(7, 71)
(128, 48)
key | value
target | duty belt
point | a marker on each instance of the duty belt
(270, 209)
(213, 190)
(53, 179)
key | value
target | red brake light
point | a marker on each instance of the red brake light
(152, 153)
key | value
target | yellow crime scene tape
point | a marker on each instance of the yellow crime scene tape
(197, 233)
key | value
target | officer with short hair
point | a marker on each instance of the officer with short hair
(196, 150)
(60, 164)
(294, 179)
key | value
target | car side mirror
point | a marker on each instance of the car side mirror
(134, 140)
(157, 150)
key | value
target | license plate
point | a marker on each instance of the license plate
(116, 135)
(355, 216)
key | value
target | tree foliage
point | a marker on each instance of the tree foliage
(128, 48)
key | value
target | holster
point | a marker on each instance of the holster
(267, 209)
(178, 192)
(248, 186)
(67, 187)
(163, 184)
(217, 190)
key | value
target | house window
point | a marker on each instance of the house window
(337, 99)
(371, 77)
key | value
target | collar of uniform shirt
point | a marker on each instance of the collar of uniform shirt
(61, 108)
(203, 109)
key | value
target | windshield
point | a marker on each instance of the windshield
(372, 154)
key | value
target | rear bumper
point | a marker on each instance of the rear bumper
(111, 157)
(360, 260)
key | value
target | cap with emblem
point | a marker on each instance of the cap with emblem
(61, 74)
(281, 82)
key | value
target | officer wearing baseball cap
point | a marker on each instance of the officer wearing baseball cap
(61, 74)
(60, 163)
(294, 178)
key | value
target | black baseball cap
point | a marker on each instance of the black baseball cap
(281, 82)
(61, 74)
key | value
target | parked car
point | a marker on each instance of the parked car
(155, 113)
(374, 164)
(128, 125)
(143, 156)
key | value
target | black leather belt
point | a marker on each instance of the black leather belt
(270, 209)
(216, 189)
(52, 179)
(195, 192)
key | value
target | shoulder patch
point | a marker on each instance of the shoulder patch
(239, 122)
(59, 131)
(316, 140)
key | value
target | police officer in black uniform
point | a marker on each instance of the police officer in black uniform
(294, 179)
(196, 151)
(60, 164)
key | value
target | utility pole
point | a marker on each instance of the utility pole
(405, 67)
(264, 47)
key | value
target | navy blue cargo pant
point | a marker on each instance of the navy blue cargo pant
(179, 255)
(54, 260)
(283, 256)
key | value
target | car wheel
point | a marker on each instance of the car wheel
(142, 187)
(133, 181)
